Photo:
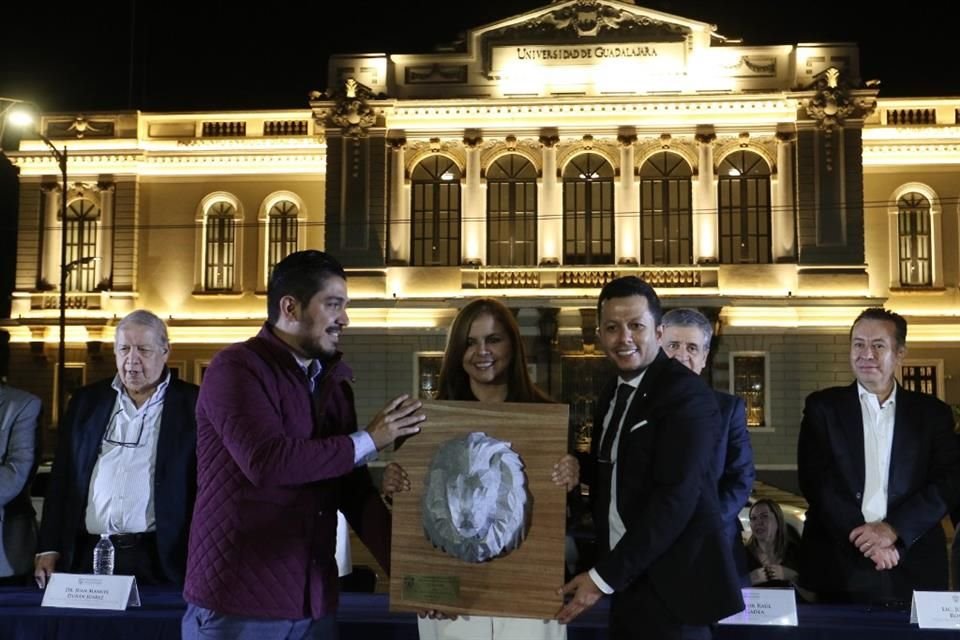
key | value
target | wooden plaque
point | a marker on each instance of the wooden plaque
(522, 583)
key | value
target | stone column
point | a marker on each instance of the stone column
(550, 205)
(705, 216)
(50, 266)
(473, 226)
(784, 212)
(105, 237)
(626, 205)
(398, 249)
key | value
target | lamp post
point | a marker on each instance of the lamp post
(65, 269)
(20, 113)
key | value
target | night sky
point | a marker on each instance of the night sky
(212, 55)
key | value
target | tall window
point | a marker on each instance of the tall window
(588, 210)
(913, 223)
(666, 219)
(221, 228)
(81, 230)
(435, 212)
(512, 211)
(744, 200)
(748, 372)
(282, 230)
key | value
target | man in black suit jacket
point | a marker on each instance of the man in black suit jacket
(663, 556)
(879, 466)
(113, 433)
(686, 338)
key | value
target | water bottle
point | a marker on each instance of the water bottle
(103, 556)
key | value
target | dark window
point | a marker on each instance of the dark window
(221, 246)
(913, 222)
(666, 218)
(588, 210)
(81, 229)
(583, 380)
(744, 200)
(512, 212)
(749, 382)
(281, 233)
(435, 212)
(922, 378)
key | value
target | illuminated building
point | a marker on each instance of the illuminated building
(770, 186)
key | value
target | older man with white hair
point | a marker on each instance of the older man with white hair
(126, 465)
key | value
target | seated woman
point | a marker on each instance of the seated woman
(771, 559)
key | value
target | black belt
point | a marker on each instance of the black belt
(129, 540)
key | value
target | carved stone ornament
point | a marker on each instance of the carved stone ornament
(549, 140)
(833, 102)
(590, 18)
(476, 506)
(352, 113)
(80, 127)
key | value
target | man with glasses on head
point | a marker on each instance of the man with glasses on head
(125, 465)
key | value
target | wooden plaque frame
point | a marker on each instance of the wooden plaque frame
(522, 583)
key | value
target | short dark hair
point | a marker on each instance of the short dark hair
(631, 286)
(879, 313)
(301, 275)
(687, 317)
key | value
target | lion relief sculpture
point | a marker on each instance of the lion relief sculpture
(476, 505)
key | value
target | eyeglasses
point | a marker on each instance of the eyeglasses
(114, 427)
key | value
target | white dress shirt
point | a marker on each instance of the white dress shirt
(878, 421)
(615, 521)
(120, 497)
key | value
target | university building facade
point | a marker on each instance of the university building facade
(770, 186)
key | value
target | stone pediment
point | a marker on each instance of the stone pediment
(588, 22)
(578, 21)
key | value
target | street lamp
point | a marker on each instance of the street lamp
(18, 112)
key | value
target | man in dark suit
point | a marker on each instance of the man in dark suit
(879, 466)
(125, 465)
(686, 338)
(19, 418)
(663, 553)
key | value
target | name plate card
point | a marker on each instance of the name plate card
(935, 609)
(766, 607)
(84, 591)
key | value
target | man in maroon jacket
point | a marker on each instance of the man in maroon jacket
(278, 453)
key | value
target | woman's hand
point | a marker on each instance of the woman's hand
(566, 473)
(394, 479)
(759, 576)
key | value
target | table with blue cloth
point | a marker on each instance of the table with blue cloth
(367, 615)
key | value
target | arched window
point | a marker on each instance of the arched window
(220, 223)
(666, 218)
(282, 231)
(81, 229)
(435, 212)
(512, 211)
(913, 225)
(744, 201)
(588, 210)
